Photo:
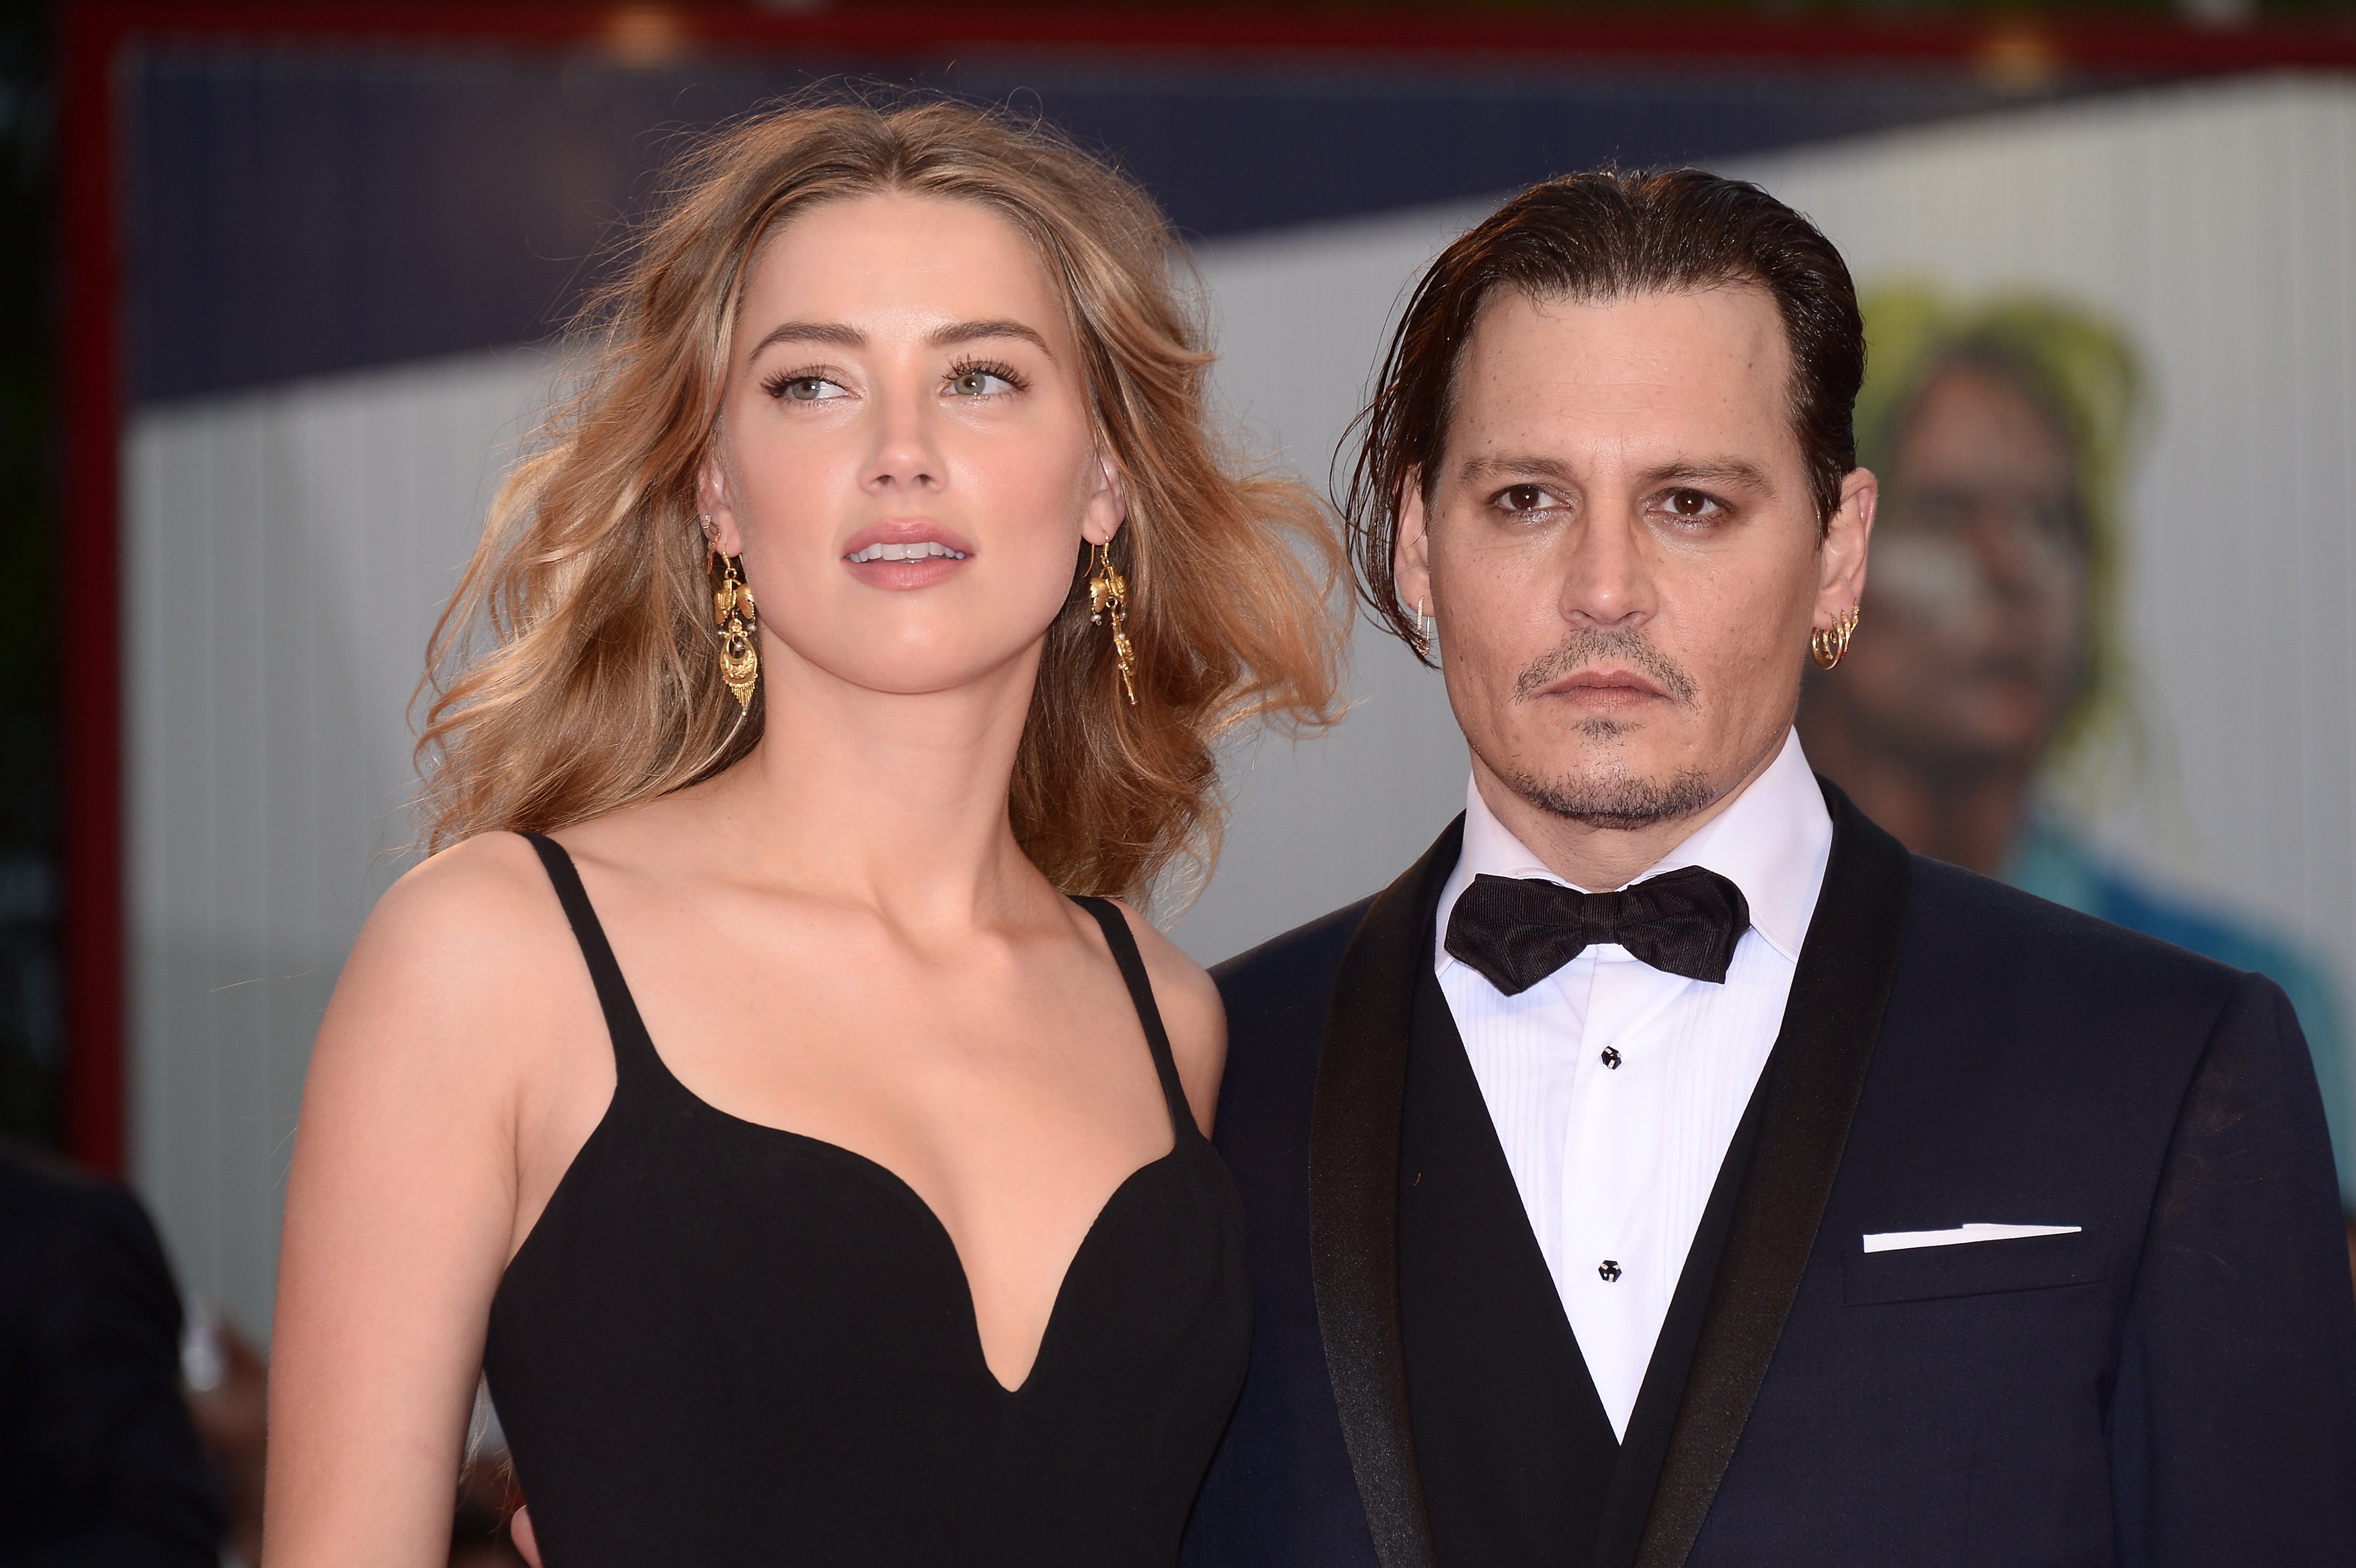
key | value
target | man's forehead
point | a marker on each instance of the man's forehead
(1734, 323)
(1652, 376)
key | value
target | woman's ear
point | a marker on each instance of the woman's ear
(1108, 506)
(714, 510)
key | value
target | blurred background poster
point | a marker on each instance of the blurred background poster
(315, 260)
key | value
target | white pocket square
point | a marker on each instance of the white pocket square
(1897, 1241)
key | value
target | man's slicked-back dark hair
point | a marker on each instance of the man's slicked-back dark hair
(1596, 238)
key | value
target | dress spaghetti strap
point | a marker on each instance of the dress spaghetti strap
(1123, 942)
(634, 1049)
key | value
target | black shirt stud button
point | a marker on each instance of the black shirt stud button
(1612, 1057)
(1609, 1270)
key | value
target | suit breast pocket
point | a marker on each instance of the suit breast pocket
(1973, 1268)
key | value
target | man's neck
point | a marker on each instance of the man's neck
(1598, 858)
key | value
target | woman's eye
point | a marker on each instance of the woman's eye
(806, 389)
(1524, 497)
(979, 384)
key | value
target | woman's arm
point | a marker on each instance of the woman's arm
(426, 1090)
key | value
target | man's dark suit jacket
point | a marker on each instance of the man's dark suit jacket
(99, 1464)
(2174, 1383)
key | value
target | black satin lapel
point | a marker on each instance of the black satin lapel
(1811, 1089)
(1353, 1150)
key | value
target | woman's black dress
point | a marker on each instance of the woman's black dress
(727, 1344)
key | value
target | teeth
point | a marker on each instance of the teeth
(922, 550)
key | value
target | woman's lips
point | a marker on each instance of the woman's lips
(902, 533)
(921, 574)
(917, 550)
(905, 554)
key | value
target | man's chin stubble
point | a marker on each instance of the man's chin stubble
(1616, 802)
(1610, 798)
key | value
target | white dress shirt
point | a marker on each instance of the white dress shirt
(1616, 1163)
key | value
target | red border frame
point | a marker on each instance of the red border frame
(97, 33)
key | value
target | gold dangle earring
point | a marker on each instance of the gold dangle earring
(1109, 596)
(736, 621)
(1829, 644)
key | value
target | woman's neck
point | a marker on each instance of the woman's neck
(897, 801)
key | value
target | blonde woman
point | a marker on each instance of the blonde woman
(759, 1082)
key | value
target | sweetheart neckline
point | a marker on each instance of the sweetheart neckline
(626, 1028)
(971, 1318)
(894, 1179)
(891, 1180)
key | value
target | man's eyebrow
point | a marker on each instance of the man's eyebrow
(1733, 471)
(1476, 469)
(958, 331)
(832, 331)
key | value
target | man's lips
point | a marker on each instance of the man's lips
(1616, 685)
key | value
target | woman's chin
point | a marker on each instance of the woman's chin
(933, 671)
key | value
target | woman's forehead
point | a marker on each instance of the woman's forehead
(897, 257)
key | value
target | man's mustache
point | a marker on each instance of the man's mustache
(1591, 646)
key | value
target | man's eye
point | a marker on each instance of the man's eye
(1689, 504)
(1524, 497)
(979, 384)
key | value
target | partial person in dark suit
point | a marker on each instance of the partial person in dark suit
(99, 1464)
(1790, 1198)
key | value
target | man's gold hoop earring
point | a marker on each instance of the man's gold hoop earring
(1109, 598)
(736, 621)
(1421, 641)
(1829, 644)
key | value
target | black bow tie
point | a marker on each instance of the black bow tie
(1517, 932)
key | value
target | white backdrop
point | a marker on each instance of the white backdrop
(289, 549)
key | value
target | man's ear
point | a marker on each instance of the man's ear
(1841, 555)
(712, 503)
(1411, 550)
(1107, 503)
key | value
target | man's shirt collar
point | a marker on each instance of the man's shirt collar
(1773, 841)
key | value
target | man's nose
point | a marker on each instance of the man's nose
(1606, 580)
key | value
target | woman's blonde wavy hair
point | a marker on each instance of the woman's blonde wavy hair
(575, 671)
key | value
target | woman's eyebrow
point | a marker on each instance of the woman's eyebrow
(950, 336)
(958, 331)
(832, 331)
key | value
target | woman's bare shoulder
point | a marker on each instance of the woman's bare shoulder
(457, 948)
(1191, 1011)
(486, 891)
(474, 881)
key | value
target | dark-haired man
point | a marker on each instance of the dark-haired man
(1780, 1198)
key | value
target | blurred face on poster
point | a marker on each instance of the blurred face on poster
(1976, 602)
